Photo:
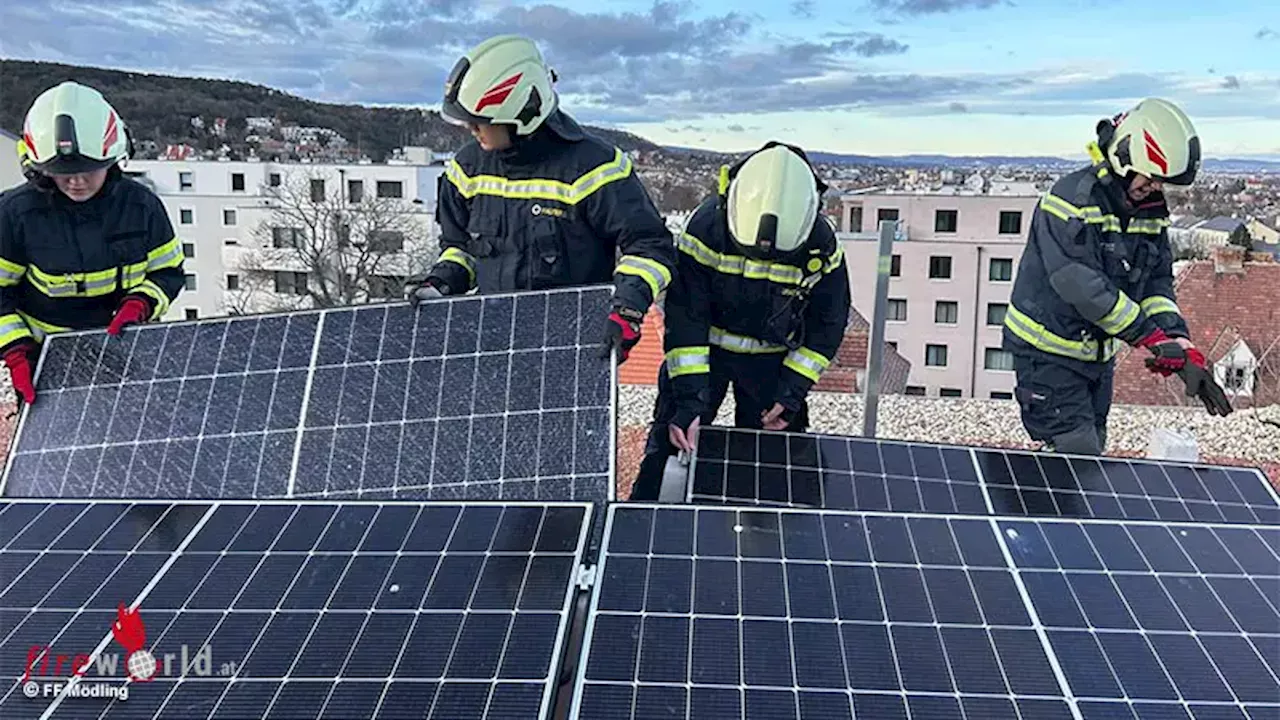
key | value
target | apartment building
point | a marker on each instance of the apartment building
(952, 270)
(10, 171)
(225, 211)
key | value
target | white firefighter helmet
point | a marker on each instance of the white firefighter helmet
(502, 80)
(1155, 139)
(71, 128)
(772, 202)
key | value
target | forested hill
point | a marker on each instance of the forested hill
(160, 108)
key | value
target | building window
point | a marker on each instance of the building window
(355, 191)
(950, 392)
(893, 345)
(187, 216)
(233, 282)
(237, 182)
(190, 282)
(390, 189)
(1010, 222)
(188, 250)
(192, 313)
(231, 241)
(855, 218)
(939, 267)
(229, 217)
(946, 221)
(1001, 270)
(291, 283)
(186, 181)
(997, 359)
(317, 190)
(895, 266)
(385, 286)
(946, 312)
(386, 241)
(273, 180)
(283, 237)
(914, 390)
(995, 313)
(935, 355)
(1001, 395)
(883, 214)
(896, 310)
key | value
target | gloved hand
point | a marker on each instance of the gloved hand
(1190, 365)
(427, 289)
(1170, 356)
(133, 309)
(622, 330)
(18, 360)
(682, 431)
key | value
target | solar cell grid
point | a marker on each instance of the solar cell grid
(733, 465)
(321, 610)
(479, 397)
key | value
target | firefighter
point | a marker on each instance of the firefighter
(81, 245)
(760, 300)
(535, 202)
(1097, 273)
(24, 160)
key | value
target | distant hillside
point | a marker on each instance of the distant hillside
(159, 108)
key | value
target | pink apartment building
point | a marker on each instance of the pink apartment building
(952, 271)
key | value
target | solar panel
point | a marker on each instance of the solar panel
(477, 397)
(702, 612)
(741, 466)
(286, 609)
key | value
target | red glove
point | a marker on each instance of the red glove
(133, 309)
(18, 359)
(622, 330)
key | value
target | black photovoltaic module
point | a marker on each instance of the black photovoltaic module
(477, 397)
(713, 613)
(739, 466)
(316, 610)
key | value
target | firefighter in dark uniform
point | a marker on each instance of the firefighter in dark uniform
(1097, 272)
(760, 300)
(535, 203)
(81, 245)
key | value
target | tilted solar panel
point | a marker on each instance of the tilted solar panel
(703, 612)
(739, 466)
(284, 609)
(477, 397)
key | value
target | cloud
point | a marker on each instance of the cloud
(803, 8)
(736, 128)
(931, 7)
(1231, 82)
(958, 107)
(1266, 34)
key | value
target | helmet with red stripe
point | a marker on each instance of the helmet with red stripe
(1157, 140)
(502, 80)
(71, 128)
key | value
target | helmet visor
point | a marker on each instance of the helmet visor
(450, 109)
(1188, 176)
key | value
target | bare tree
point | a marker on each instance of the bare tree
(319, 247)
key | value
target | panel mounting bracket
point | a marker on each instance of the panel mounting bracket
(586, 577)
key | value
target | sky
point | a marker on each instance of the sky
(876, 77)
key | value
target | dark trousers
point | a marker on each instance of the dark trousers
(1064, 402)
(755, 381)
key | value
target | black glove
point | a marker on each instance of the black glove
(1200, 383)
(418, 290)
(622, 330)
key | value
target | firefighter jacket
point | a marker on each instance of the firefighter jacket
(555, 210)
(720, 298)
(66, 265)
(1096, 272)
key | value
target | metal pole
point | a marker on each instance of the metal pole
(875, 349)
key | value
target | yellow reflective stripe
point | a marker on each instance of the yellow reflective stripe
(1122, 315)
(688, 361)
(806, 362)
(833, 263)
(1093, 215)
(654, 273)
(741, 344)
(1039, 337)
(39, 328)
(459, 257)
(737, 264)
(1058, 207)
(1157, 304)
(85, 284)
(1148, 226)
(166, 256)
(11, 273)
(12, 328)
(540, 188)
(153, 291)
(134, 274)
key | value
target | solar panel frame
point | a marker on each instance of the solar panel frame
(957, 486)
(293, 537)
(622, 696)
(590, 476)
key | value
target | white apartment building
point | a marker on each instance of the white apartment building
(952, 271)
(10, 170)
(225, 211)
